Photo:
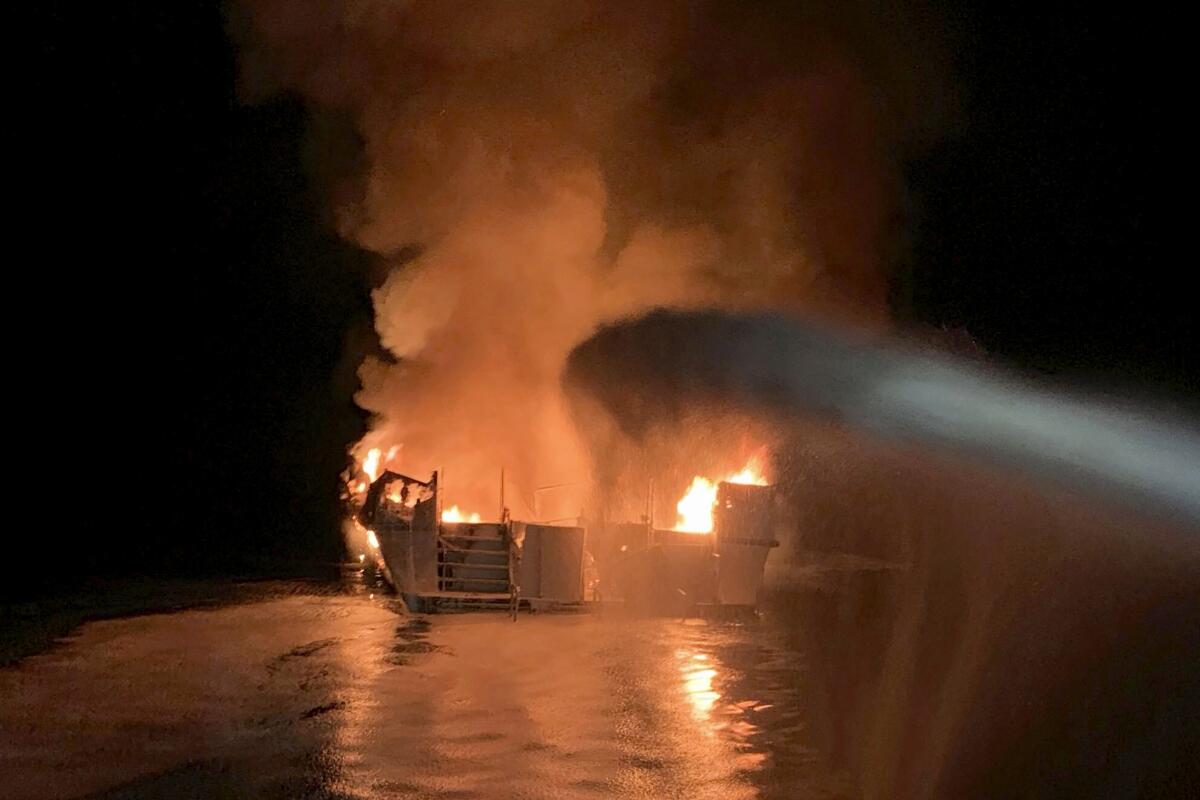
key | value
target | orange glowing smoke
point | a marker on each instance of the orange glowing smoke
(695, 509)
(453, 514)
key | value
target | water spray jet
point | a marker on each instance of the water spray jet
(786, 366)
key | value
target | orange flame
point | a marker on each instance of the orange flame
(695, 509)
(371, 464)
(752, 474)
(453, 514)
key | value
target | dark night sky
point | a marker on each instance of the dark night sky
(202, 308)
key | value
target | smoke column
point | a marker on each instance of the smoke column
(527, 171)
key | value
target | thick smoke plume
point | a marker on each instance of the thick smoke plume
(530, 170)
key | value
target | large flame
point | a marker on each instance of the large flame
(371, 463)
(453, 514)
(695, 509)
(753, 474)
(372, 466)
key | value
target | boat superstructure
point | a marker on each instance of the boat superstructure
(437, 561)
(436, 564)
(686, 572)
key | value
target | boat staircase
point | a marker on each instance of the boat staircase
(477, 568)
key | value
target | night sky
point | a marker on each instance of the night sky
(202, 311)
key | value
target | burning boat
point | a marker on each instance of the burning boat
(440, 558)
(712, 561)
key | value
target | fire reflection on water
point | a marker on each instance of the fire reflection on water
(698, 686)
(571, 706)
(343, 693)
(702, 682)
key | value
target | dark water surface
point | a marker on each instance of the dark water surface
(863, 679)
(311, 694)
